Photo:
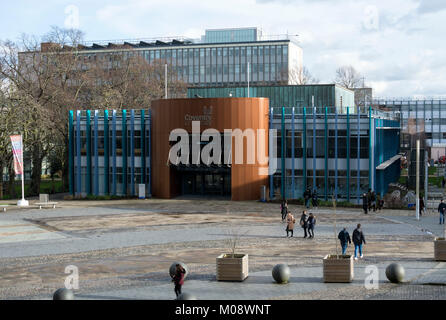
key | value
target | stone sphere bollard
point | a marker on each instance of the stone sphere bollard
(395, 273)
(186, 296)
(281, 273)
(173, 268)
(63, 294)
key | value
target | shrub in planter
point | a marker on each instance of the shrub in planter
(338, 268)
(232, 267)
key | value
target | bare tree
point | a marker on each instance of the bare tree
(53, 75)
(301, 76)
(348, 77)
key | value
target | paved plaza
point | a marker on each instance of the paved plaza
(124, 248)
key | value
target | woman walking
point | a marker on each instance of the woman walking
(311, 224)
(304, 222)
(290, 221)
(178, 279)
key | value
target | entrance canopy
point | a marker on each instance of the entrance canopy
(385, 164)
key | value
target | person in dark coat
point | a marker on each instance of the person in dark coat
(358, 240)
(178, 278)
(311, 223)
(365, 204)
(314, 198)
(307, 197)
(369, 199)
(373, 201)
(304, 222)
(443, 182)
(442, 211)
(421, 206)
(379, 203)
(344, 238)
(284, 209)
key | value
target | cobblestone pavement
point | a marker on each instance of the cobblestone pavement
(124, 248)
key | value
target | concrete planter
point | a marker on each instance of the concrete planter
(338, 268)
(440, 249)
(232, 268)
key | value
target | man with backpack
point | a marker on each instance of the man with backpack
(344, 238)
(358, 240)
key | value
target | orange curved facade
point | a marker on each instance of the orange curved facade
(219, 114)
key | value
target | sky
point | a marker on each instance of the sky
(397, 45)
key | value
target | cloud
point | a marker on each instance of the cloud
(431, 6)
(393, 43)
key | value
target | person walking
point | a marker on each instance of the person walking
(178, 278)
(364, 203)
(311, 224)
(344, 238)
(421, 206)
(373, 201)
(290, 221)
(307, 196)
(442, 211)
(369, 199)
(443, 182)
(358, 240)
(304, 222)
(314, 198)
(284, 209)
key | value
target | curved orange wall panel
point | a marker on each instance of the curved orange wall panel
(227, 113)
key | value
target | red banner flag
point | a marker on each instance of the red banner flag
(17, 150)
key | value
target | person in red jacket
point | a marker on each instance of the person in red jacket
(178, 279)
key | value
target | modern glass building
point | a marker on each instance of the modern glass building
(227, 57)
(109, 152)
(339, 154)
(299, 96)
(423, 116)
(230, 35)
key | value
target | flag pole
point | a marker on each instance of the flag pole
(17, 145)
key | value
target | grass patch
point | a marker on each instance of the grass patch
(46, 186)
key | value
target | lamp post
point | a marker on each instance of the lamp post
(417, 207)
